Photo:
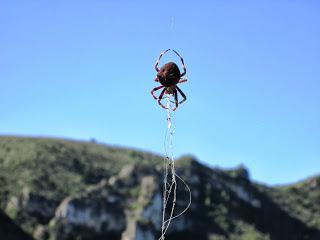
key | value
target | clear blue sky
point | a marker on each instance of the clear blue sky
(84, 69)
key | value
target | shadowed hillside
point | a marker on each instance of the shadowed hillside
(63, 190)
(9, 230)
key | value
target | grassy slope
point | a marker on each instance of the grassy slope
(56, 168)
(301, 200)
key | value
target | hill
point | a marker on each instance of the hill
(61, 189)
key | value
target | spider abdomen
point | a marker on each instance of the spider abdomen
(169, 74)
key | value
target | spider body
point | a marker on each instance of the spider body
(169, 76)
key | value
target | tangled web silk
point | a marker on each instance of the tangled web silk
(170, 176)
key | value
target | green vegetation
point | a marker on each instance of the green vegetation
(301, 200)
(244, 231)
(56, 168)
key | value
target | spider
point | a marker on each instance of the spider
(169, 76)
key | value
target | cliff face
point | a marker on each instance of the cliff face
(64, 190)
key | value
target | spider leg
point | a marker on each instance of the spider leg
(175, 94)
(158, 61)
(182, 94)
(160, 98)
(184, 66)
(155, 89)
(183, 80)
(156, 79)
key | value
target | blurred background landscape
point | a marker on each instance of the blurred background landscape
(81, 143)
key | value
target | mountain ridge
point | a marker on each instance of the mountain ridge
(56, 175)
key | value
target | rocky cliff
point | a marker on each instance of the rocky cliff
(64, 190)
